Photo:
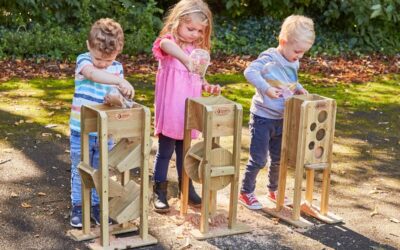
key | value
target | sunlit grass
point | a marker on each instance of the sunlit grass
(364, 110)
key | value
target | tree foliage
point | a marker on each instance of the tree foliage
(57, 29)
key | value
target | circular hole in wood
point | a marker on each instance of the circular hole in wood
(311, 145)
(320, 134)
(322, 116)
(319, 152)
(313, 126)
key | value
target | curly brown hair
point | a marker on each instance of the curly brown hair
(106, 36)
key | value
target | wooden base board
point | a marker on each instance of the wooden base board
(286, 215)
(315, 212)
(287, 202)
(78, 235)
(217, 232)
(124, 243)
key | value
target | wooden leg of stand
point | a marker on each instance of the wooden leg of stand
(86, 197)
(325, 191)
(205, 198)
(104, 175)
(213, 202)
(297, 191)
(85, 209)
(237, 139)
(124, 180)
(309, 185)
(281, 185)
(187, 140)
(184, 193)
(144, 193)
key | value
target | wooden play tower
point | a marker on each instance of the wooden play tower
(308, 132)
(121, 199)
(208, 163)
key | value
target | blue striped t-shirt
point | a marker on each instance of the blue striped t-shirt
(87, 91)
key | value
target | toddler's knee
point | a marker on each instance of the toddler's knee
(256, 165)
(274, 164)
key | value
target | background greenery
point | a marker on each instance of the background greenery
(57, 29)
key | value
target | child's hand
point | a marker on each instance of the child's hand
(273, 92)
(212, 89)
(301, 91)
(126, 89)
(114, 99)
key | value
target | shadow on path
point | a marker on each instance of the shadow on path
(338, 236)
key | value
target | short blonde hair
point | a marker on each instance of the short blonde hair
(297, 28)
(106, 36)
(185, 11)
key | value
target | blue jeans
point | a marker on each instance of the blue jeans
(75, 154)
(166, 147)
(266, 137)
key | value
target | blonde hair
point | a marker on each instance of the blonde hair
(184, 11)
(106, 36)
(297, 28)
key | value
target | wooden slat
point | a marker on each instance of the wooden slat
(127, 206)
(85, 189)
(222, 171)
(207, 121)
(187, 140)
(126, 155)
(103, 170)
(299, 164)
(237, 142)
(193, 115)
(316, 166)
(197, 157)
(309, 185)
(87, 174)
(284, 154)
(144, 188)
(223, 120)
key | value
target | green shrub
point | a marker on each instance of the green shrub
(43, 41)
(58, 29)
(371, 25)
(253, 35)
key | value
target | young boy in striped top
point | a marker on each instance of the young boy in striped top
(96, 73)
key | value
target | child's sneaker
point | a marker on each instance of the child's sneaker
(250, 201)
(273, 195)
(76, 216)
(95, 215)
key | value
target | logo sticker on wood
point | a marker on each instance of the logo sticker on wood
(321, 105)
(122, 116)
(222, 111)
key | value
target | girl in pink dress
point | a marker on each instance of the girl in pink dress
(188, 26)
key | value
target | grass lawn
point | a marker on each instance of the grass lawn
(368, 111)
(365, 176)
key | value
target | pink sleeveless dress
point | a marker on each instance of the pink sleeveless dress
(174, 84)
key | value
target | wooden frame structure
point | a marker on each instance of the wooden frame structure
(308, 132)
(208, 163)
(122, 200)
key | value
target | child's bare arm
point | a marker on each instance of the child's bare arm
(97, 75)
(171, 48)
